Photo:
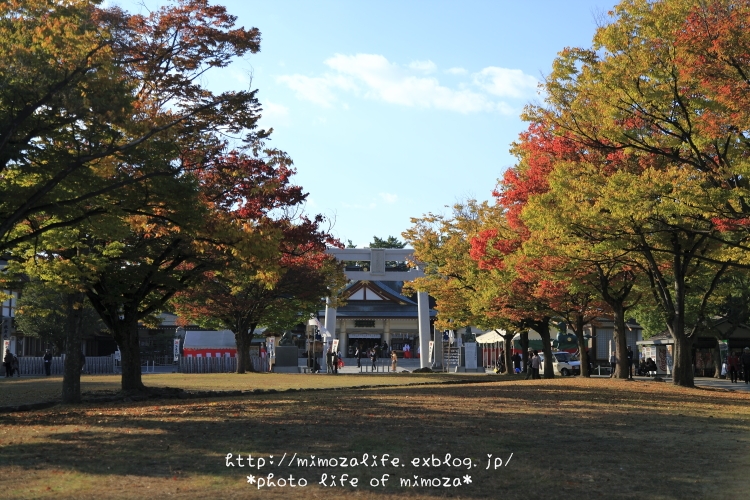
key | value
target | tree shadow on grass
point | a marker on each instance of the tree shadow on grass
(588, 441)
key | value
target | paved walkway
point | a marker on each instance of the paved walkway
(715, 383)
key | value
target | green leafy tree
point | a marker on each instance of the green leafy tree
(669, 184)
(42, 313)
(84, 88)
(390, 242)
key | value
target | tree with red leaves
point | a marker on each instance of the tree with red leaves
(272, 269)
(659, 93)
(113, 122)
(539, 282)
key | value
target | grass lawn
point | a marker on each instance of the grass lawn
(569, 438)
(16, 391)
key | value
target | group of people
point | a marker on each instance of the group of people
(11, 364)
(334, 361)
(646, 367)
(737, 362)
(371, 353)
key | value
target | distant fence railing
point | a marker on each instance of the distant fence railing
(218, 365)
(95, 365)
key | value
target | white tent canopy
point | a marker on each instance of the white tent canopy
(491, 337)
(532, 336)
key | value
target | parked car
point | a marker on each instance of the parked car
(561, 363)
(574, 361)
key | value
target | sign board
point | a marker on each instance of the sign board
(451, 356)
(6, 323)
(335, 346)
(6, 345)
(470, 351)
(431, 351)
(176, 349)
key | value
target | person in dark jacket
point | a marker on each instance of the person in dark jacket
(516, 362)
(733, 366)
(630, 362)
(329, 361)
(47, 362)
(8, 362)
(745, 359)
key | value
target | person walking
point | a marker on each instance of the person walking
(394, 361)
(536, 362)
(529, 371)
(516, 358)
(630, 362)
(358, 355)
(47, 362)
(733, 365)
(329, 361)
(373, 358)
(745, 359)
(612, 365)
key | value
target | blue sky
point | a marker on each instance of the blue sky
(393, 109)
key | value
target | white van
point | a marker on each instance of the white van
(560, 363)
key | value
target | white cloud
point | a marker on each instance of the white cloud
(372, 76)
(319, 90)
(423, 66)
(505, 82)
(388, 197)
(391, 83)
(273, 111)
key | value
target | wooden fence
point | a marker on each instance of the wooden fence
(95, 365)
(218, 365)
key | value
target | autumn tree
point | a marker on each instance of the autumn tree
(268, 259)
(139, 179)
(677, 191)
(463, 293)
(83, 87)
(241, 297)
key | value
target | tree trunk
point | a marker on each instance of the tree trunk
(508, 352)
(583, 347)
(542, 328)
(71, 391)
(244, 364)
(621, 340)
(682, 357)
(716, 354)
(524, 341)
(682, 360)
(130, 349)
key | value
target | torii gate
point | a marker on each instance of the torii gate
(377, 258)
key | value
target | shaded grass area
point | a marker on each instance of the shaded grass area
(17, 391)
(572, 437)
